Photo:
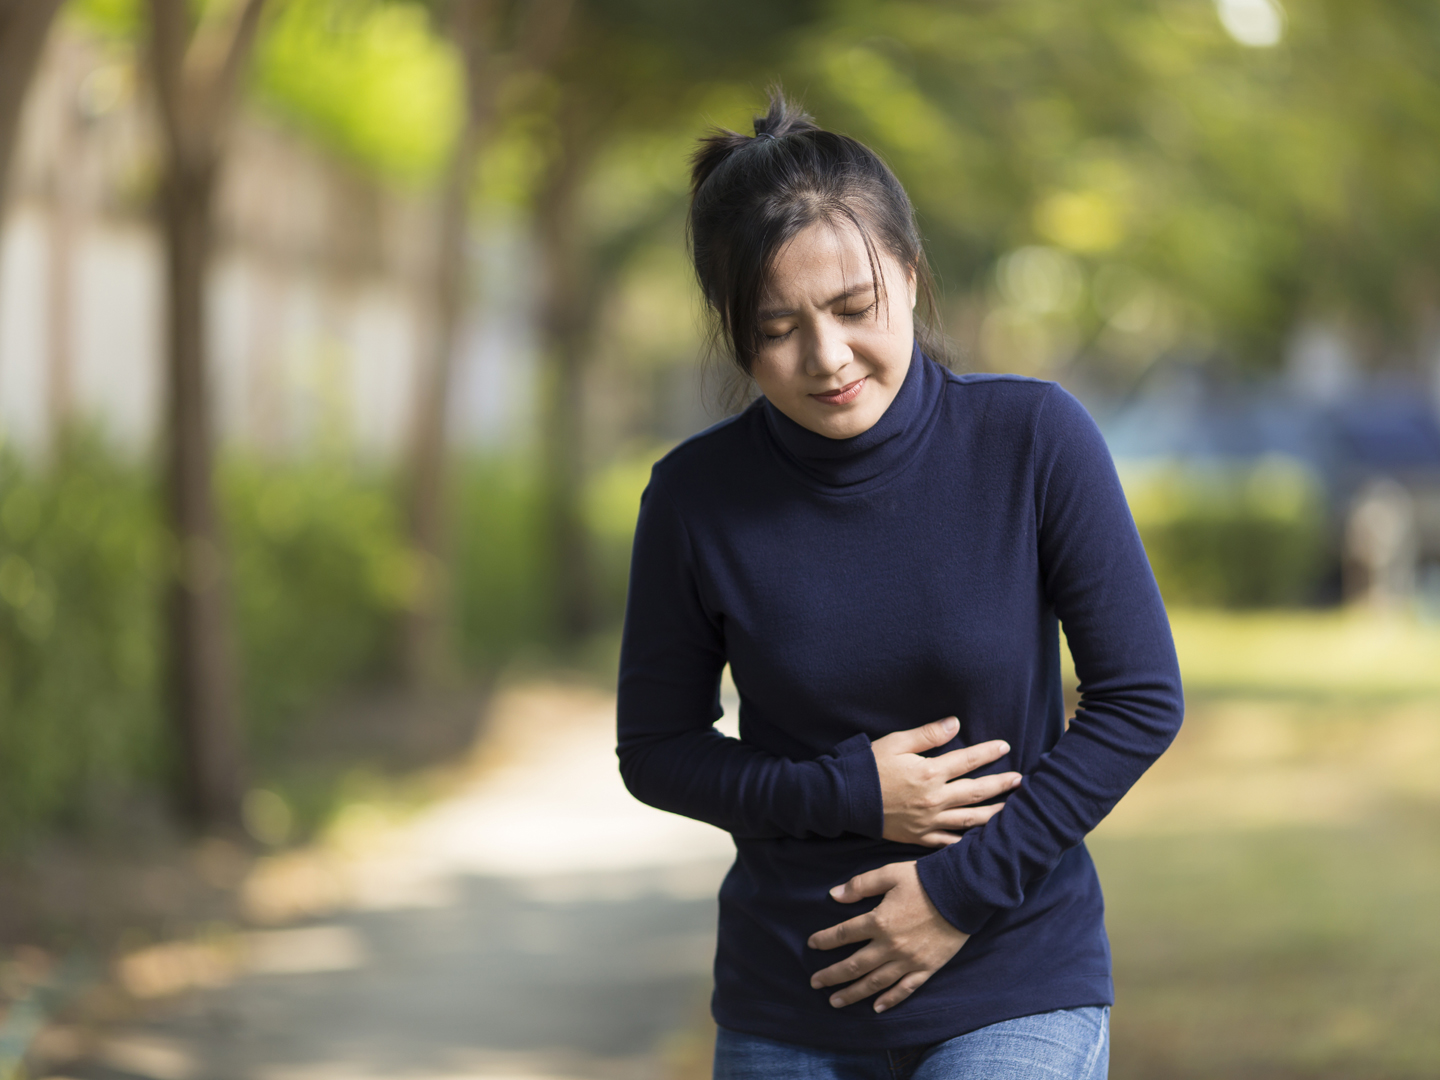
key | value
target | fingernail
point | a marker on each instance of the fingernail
(837, 892)
(1015, 782)
(837, 1001)
(880, 1008)
(1004, 747)
(951, 723)
(814, 985)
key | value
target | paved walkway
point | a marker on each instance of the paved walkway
(538, 923)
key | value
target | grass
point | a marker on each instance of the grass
(1308, 655)
(1272, 883)
(1283, 952)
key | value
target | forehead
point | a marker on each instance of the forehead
(824, 257)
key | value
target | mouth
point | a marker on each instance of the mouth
(843, 395)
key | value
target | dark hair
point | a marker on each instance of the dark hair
(751, 196)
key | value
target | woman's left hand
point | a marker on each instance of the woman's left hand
(909, 939)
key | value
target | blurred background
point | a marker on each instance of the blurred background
(336, 340)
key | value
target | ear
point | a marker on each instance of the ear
(913, 285)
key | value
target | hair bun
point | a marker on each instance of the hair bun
(782, 118)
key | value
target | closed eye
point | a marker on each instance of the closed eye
(858, 314)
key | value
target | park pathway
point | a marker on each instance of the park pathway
(536, 923)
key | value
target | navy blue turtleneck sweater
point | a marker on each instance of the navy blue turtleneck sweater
(862, 586)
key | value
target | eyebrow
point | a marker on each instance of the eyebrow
(766, 314)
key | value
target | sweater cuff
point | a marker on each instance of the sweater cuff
(941, 881)
(865, 806)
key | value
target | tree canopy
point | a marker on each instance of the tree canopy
(1115, 177)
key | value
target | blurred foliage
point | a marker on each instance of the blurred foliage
(612, 504)
(320, 568)
(80, 565)
(1185, 182)
(320, 571)
(1240, 186)
(500, 563)
(1249, 534)
(368, 79)
(113, 18)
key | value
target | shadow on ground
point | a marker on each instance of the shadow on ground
(506, 980)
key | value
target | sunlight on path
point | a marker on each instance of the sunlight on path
(536, 923)
(560, 806)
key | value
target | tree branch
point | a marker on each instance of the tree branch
(242, 42)
(24, 26)
(170, 33)
(198, 68)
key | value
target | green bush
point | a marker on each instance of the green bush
(80, 573)
(611, 505)
(501, 592)
(1236, 535)
(503, 588)
(320, 573)
(320, 570)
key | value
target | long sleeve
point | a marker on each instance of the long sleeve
(1096, 576)
(671, 756)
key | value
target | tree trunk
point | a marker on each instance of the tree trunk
(474, 27)
(202, 677)
(24, 26)
(196, 102)
(65, 196)
(565, 325)
(426, 645)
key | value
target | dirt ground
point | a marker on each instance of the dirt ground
(1271, 889)
(533, 921)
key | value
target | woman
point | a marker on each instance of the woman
(873, 544)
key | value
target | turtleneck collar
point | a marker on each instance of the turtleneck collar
(850, 463)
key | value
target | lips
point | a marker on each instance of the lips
(842, 395)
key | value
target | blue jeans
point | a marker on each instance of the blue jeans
(1069, 1044)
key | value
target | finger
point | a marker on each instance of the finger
(960, 820)
(873, 983)
(969, 792)
(939, 839)
(969, 758)
(926, 737)
(902, 990)
(873, 883)
(860, 928)
(851, 968)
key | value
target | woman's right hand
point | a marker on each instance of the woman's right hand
(925, 801)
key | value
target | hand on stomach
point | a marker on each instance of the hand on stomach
(909, 940)
(927, 800)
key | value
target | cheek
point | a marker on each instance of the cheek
(771, 374)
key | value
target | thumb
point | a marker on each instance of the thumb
(926, 737)
(874, 883)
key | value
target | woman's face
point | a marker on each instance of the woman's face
(832, 352)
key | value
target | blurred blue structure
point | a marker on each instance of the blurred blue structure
(1373, 445)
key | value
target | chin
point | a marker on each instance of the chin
(845, 426)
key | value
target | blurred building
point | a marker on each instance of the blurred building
(319, 303)
(1371, 441)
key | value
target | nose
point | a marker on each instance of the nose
(828, 352)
